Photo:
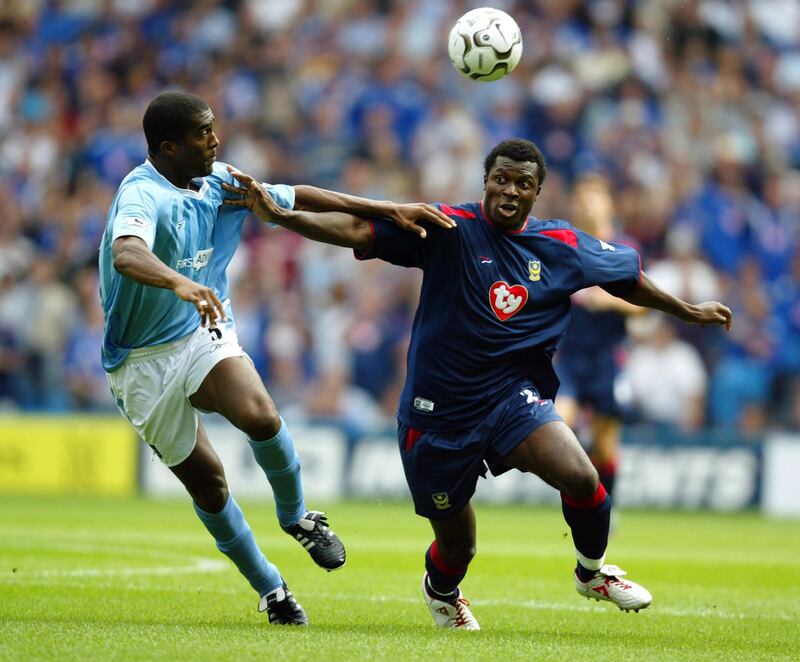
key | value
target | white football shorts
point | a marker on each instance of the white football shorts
(153, 386)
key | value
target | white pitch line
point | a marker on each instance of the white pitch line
(540, 605)
(195, 565)
(28, 539)
(92, 548)
(203, 565)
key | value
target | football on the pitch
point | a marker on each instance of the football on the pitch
(485, 44)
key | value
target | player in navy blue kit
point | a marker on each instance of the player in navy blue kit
(494, 303)
(588, 360)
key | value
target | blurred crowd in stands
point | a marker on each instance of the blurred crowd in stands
(689, 108)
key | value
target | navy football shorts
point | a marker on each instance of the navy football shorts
(590, 381)
(442, 468)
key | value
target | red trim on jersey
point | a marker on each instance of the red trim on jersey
(411, 438)
(587, 503)
(522, 229)
(639, 255)
(452, 211)
(361, 254)
(443, 566)
(567, 236)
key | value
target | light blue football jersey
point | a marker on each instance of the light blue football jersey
(190, 231)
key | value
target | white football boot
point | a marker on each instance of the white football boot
(607, 585)
(455, 615)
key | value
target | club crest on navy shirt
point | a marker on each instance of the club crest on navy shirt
(534, 270)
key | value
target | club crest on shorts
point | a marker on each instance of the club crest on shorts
(534, 270)
(441, 500)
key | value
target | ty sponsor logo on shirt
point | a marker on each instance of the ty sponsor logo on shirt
(507, 300)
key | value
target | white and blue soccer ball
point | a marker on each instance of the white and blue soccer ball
(485, 44)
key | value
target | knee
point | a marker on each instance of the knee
(459, 554)
(465, 555)
(210, 494)
(582, 483)
(258, 419)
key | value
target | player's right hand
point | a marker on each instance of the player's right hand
(408, 215)
(253, 195)
(204, 299)
(711, 312)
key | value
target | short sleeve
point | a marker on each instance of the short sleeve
(395, 245)
(283, 194)
(615, 267)
(137, 215)
(407, 249)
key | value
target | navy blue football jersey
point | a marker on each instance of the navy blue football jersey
(594, 331)
(493, 306)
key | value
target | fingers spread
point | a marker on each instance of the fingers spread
(241, 177)
(440, 218)
(234, 189)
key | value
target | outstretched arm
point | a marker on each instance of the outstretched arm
(596, 299)
(407, 216)
(649, 295)
(329, 227)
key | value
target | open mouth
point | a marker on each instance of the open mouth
(508, 209)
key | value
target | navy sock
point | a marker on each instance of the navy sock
(281, 464)
(235, 539)
(443, 578)
(589, 520)
(584, 574)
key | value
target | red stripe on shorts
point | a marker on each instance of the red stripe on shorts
(411, 438)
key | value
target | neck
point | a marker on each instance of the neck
(169, 171)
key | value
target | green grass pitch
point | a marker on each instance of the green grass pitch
(105, 579)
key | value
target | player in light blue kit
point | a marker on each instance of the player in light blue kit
(170, 347)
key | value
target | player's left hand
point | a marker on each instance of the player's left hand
(710, 312)
(408, 216)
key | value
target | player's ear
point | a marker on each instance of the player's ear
(168, 148)
(485, 179)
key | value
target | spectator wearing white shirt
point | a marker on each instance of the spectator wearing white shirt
(665, 376)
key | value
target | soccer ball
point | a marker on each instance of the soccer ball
(485, 44)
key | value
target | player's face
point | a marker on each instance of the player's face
(195, 155)
(510, 189)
